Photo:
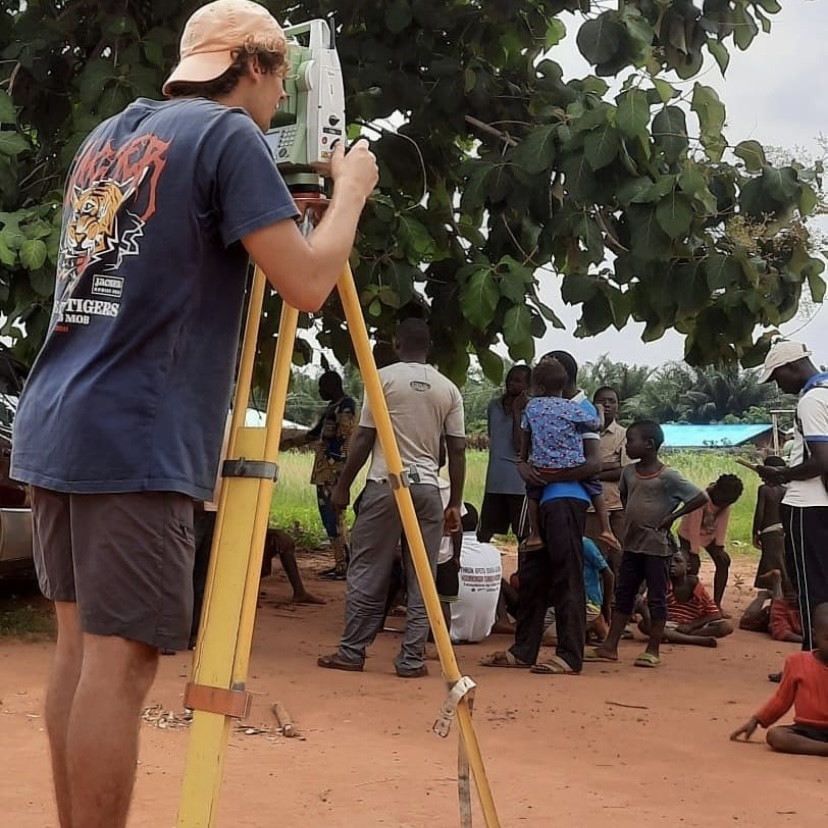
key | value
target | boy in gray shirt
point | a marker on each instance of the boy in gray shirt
(651, 493)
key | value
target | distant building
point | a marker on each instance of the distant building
(687, 436)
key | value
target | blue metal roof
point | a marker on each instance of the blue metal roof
(681, 435)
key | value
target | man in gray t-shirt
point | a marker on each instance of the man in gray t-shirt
(505, 489)
(424, 406)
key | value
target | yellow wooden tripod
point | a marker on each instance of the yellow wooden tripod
(217, 693)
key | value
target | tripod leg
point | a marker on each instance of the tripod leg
(385, 432)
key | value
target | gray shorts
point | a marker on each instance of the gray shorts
(125, 559)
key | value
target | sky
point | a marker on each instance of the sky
(774, 93)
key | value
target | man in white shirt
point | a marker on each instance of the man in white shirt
(423, 405)
(805, 505)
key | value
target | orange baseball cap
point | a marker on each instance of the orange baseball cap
(214, 31)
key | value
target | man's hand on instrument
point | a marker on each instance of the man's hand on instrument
(357, 167)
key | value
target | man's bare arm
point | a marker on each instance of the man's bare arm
(305, 271)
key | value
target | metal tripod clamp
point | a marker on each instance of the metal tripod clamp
(462, 687)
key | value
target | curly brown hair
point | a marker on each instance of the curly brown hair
(267, 62)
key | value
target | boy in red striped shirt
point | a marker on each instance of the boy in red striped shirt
(805, 686)
(692, 615)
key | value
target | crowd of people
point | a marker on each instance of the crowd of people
(610, 537)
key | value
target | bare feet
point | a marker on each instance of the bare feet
(306, 598)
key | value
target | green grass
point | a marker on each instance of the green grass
(24, 613)
(294, 503)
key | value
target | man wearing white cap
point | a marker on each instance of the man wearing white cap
(120, 426)
(805, 505)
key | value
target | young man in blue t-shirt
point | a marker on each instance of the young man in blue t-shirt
(120, 425)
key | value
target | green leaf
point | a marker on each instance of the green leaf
(397, 16)
(711, 113)
(577, 288)
(723, 272)
(816, 285)
(807, 200)
(477, 187)
(492, 365)
(648, 239)
(536, 152)
(516, 325)
(675, 215)
(633, 113)
(600, 39)
(666, 91)
(7, 256)
(417, 239)
(770, 6)
(33, 254)
(589, 232)
(8, 115)
(693, 182)
(744, 27)
(479, 297)
(43, 281)
(579, 179)
(547, 312)
(601, 146)
(719, 52)
(12, 143)
(781, 184)
(656, 190)
(670, 132)
(752, 153)
(555, 32)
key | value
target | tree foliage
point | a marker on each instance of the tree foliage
(629, 197)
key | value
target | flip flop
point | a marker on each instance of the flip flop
(647, 660)
(503, 658)
(591, 654)
(556, 666)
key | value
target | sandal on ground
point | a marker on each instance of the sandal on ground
(647, 660)
(336, 662)
(556, 666)
(592, 654)
(530, 546)
(502, 658)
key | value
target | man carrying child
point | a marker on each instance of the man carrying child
(553, 572)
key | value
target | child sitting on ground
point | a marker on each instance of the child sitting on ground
(692, 616)
(651, 493)
(775, 612)
(805, 686)
(707, 529)
(552, 430)
(768, 532)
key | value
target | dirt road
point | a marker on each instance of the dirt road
(560, 751)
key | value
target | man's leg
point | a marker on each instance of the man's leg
(373, 543)
(102, 740)
(533, 599)
(63, 680)
(793, 519)
(429, 507)
(563, 525)
(814, 561)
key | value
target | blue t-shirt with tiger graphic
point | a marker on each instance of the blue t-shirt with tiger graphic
(131, 389)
